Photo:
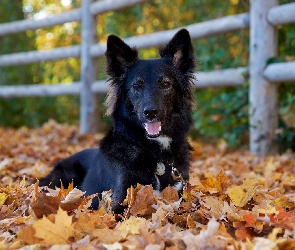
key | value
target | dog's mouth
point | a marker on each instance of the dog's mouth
(152, 129)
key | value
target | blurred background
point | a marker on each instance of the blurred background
(221, 113)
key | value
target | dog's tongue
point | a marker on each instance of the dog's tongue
(153, 128)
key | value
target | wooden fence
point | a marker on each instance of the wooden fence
(264, 16)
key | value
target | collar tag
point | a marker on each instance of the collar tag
(160, 168)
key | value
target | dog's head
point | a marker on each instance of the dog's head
(155, 91)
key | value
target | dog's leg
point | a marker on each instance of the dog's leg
(71, 169)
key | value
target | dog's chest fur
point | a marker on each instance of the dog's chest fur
(141, 158)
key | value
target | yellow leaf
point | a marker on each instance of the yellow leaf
(217, 184)
(240, 195)
(3, 198)
(282, 202)
(23, 219)
(56, 232)
(107, 236)
(289, 181)
(267, 210)
(132, 226)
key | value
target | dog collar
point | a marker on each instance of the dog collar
(175, 174)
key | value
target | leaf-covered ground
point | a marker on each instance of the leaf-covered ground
(233, 201)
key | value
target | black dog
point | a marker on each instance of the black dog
(150, 102)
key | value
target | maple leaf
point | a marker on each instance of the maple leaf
(215, 185)
(243, 232)
(250, 220)
(63, 192)
(287, 245)
(240, 195)
(230, 211)
(268, 211)
(57, 232)
(107, 236)
(143, 201)
(263, 244)
(206, 239)
(3, 198)
(45, 205)
(131, 194)
(214, 205)
(170, 194)
(132, 225)
(163, 213)
(106, 200)
(86, 223)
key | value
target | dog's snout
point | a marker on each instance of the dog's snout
(150, 114)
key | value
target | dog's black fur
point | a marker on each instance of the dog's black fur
(150, 102)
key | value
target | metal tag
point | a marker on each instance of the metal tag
(160, 169)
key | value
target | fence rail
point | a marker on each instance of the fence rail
(96, 8)
(265, 14)
(216, 78)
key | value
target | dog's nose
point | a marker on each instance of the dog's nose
(150, 114)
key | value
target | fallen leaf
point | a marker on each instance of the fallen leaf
(170, 194)
(143, 201)
(108, 236)
(57, 232)
(45, 205)
(132, 226)
(287, 245)
(267, 214)
(3, 198)
(240, 195)
(214, 204)
(206, 239)
(263, 244)
(131, 194)
(250, 220)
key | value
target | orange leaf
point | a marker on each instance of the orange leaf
(143, 201)
(170, 194)
(250, 220)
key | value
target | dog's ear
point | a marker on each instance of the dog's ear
(181, 51)
(119, 56)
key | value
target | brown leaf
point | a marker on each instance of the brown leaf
(45, 205)
(190, 222)
(131, 194)
(143, 201)
(170, 194)
(287, 245)
(63, 192)
(107, 236)
(28, 235)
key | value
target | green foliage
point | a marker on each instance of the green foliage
(220, 112)
(32, 112)
(222, 115)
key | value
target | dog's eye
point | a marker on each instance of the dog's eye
(165, 83)
(137, 85)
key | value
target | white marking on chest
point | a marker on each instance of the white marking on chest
(178, 186)
(164, 141)
(158, 184)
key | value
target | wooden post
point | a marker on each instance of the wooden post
(88, 101)
(262, 94)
